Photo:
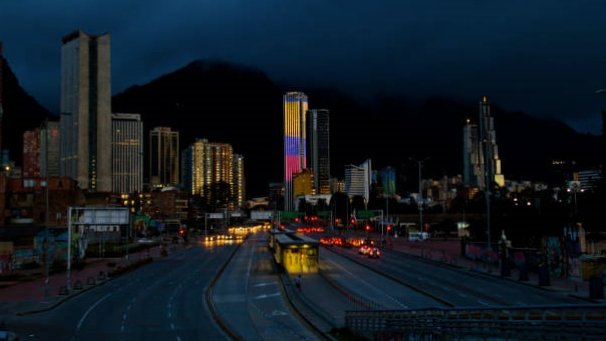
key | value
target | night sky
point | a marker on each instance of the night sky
(545, 57)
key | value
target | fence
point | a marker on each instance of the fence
(575, 322)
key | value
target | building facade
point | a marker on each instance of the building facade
(86, 110)
(127, 153)
(473, 174)
(50, 151)
(295, 106)
(239, 186)
(488, 139)
(163, 157)
(207, 164)
(31, 153)
(358, 179)
(319, 149)
(481, 162)
(1, 91)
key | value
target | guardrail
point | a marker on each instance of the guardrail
(586, 322)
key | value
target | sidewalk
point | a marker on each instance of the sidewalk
(28, 297)
(448, 251)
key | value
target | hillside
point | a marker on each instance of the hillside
(21, 112)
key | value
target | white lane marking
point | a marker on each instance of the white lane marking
(124, 317)
(170, 315)
(172, 326)
(262, 296)
(122, 328)
(91, 309)
(178, 338)
(483, 303)
(462, 294)
(128, 307)
(264, 284)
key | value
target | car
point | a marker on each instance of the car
(364, 249)
(374, 252)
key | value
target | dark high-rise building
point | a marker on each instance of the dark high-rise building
(318, 151)
(50, 149)
(1, 91)
(163, 157)
(491, 151)
(481, 162)
(472, 166)
(86, 110)
(31, 154)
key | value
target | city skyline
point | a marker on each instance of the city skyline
(523, 54)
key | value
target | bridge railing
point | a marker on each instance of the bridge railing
(588, 321)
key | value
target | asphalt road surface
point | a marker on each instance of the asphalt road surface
(160, 301)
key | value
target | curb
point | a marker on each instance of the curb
(209, 302)
(61, 301)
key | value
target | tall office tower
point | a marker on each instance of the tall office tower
(50, 149)
(358, 179)
(318, 137)
(473, 167)
(163, 157)
(487, 137)
(239, 184)
(86, 110)
(31, 154)
(295, 109)
(127, 153)
(1, 91)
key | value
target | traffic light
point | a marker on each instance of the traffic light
(389, 228)
(367, 227)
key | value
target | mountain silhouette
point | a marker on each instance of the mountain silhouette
(235, 104)
(21, 113)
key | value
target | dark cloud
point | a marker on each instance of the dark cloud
(544, 57)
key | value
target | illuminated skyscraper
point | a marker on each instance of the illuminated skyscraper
(163, 157)
(127, 153)
(86, 110)
(206, 164)
(239, 186)
(319, 149)
(295, 109)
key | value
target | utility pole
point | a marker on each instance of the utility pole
(420, 162)
(46, 199)
(484, 139)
